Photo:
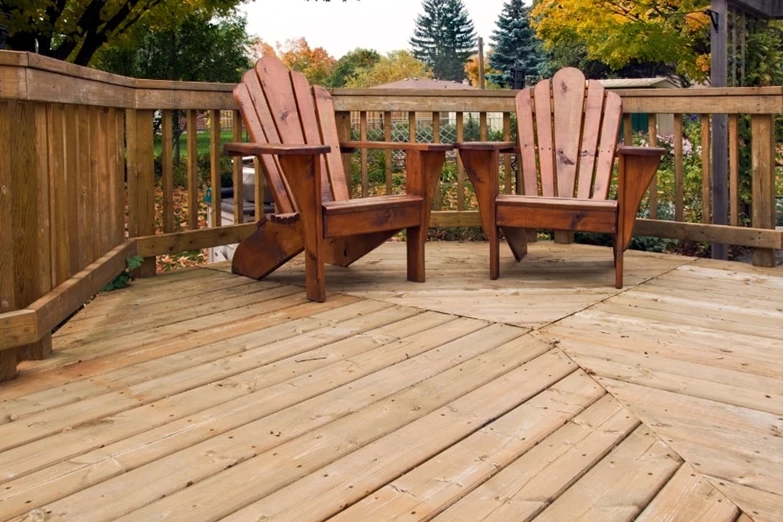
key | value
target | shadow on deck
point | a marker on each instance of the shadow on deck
(544, 395)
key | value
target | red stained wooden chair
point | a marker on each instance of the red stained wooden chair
(567, 131)
(294, 134)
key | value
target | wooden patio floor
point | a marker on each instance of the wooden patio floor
(545, 395)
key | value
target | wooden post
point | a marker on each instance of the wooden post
(763, 180)
(141, 180)
(720, 140)
(30, 219)
(167, 182)
(214, 167)
(7, 285)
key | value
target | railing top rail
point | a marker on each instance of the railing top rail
(28, 76)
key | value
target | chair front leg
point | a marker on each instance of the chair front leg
(423, 171)
(638, 166)
(482, 167)
(303, 173)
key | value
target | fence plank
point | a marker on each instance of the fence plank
(652, 134)
(387, 136)
(214, 166)
(706, 171)
(259, 189)
(192, 129)
(141, 180)
(167, 179)
(58, 202)
(85, 210)
(363, 154)
(436, 203)
(343, 121)
(96, 216)
(7, 284)
(460, 166)
(679, 210)
(734, 196)
(30, 213)
(507, 157)
(71, 129)
(763, 180)
(236, 171)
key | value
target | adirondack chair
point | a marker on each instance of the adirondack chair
(294, 135)
(567, 132)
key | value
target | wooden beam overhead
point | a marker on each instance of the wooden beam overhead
(770, 9)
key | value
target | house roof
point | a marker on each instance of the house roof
(638, 83)
(424, 83)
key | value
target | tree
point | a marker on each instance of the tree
(397, 65)
(444, 38)
(199, 49)
(75, 30)
(316, 64)
(352, 64)
(619, 33)
(472, 71)
(514, 45)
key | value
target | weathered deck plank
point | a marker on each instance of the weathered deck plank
(201, 395)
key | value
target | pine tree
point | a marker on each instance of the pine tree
(444, 38)
(514, 45)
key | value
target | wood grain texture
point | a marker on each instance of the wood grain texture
(568, 99)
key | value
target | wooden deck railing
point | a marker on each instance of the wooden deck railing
(78, 190)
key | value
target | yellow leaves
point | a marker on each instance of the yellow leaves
(397, 65)
(616, 32)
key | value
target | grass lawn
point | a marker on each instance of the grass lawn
(202, 141)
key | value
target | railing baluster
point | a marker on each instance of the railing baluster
(460, 167)
(387, 136)
(259, 189)
(627, 130)
(763, 181)
(437, 204)
(483, 126)
(214, 167)
(412, 127)
(167, 180)
(678, 170)
(652, 132)
(363, 154)
(706, 171)
(236, 170)
(507, 157)
(734, 197)
(192, 170)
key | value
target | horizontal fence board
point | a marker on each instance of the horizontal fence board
(750, 237)
(193, 240)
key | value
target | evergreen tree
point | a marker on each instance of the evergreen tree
(515, 46)
(444, 38)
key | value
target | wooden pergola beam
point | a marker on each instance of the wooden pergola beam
(769, 9)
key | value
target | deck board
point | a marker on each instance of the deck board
(544, 395)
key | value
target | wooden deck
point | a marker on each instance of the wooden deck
(545, 395)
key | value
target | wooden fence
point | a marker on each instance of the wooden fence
(78, 188)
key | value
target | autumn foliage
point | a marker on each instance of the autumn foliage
(617, 32)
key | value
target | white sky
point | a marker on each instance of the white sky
(339, 27)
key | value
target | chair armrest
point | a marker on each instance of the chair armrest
(640, 151)
(254, 149)
(351, 146)
(500, 146)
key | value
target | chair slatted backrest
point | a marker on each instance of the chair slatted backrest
(279, 107)
(575, 137)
